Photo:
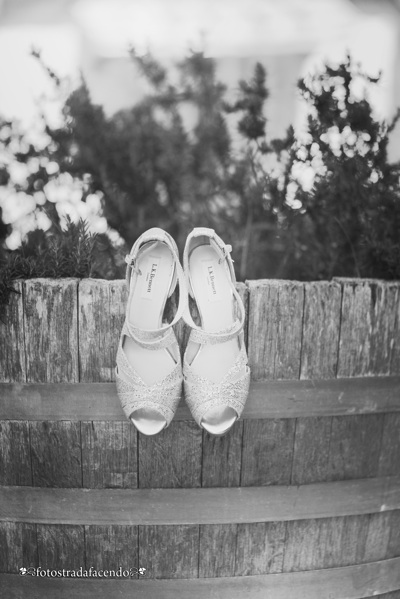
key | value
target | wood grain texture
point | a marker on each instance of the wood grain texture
(395, 357)
(311, 454)
(217, 550)
(111, 547)
(311, 536)
(378, 537)
(389, 458)
(393, 548)
(172, 458)
(56, 454)
(368, 327)
(18, 546)
(12, 341)
(346, 542)
(109, 455)
(51, 330)
(267, 399)
(354, 453)
(15, 454)
(353, 582)
(321, 326)
(274, 348)
(325, 543)
(260, 548)
(275, 328)
(222, 458)
(101, 316)
(267, 452)
(385, 332)
(61, 546)
(169, 551)
(311, 450)
(199, 506)
(355, 446)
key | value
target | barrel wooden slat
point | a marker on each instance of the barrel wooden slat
(329, 543)
(321, 326)
(393, 548)
(51, 330)
(12, 339)
(267, 399)
(389, 459)
(322, 306)
(169, 551)
(15, 453)
(355, 446)
(18, 546)
(172, 458)
(222, 458)
(312, 536)
(111, 547)
(354, 452)
(378, 537)
(295, 432)
(275, 328)
(346, 544)
(267, 452)
(217, 550)
(109, 455)
(51, 340)
(274, 347)
(201, 505)
(260, 548)
(311, 450)
(101, 316)
(368, 327)
(56, 454)
(395, 357)
(60, 546)
(384, 337)
(352, 582)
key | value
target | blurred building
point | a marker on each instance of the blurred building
(289, 37)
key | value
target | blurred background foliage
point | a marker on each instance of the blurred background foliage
(324, 204)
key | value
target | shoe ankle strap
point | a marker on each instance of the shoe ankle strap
(202, 337)
(223, 250)
(150, 339)
(161, 337)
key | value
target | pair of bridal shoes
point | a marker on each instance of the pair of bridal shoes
(213, 374)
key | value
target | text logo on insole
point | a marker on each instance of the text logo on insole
(212, 282)
(150, 277)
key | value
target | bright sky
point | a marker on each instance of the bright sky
(255, 28)
(226, 27)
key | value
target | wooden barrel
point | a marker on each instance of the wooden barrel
(300, 499)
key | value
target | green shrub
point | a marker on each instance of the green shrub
(153, 167)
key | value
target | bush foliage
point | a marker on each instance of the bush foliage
(326, 204)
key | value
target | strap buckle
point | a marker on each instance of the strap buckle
(226, 250)
(131, 262)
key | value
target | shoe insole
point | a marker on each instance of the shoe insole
(151, 287)
(212, 289)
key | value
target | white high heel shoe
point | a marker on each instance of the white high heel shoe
(149, 370)
(215, 368)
